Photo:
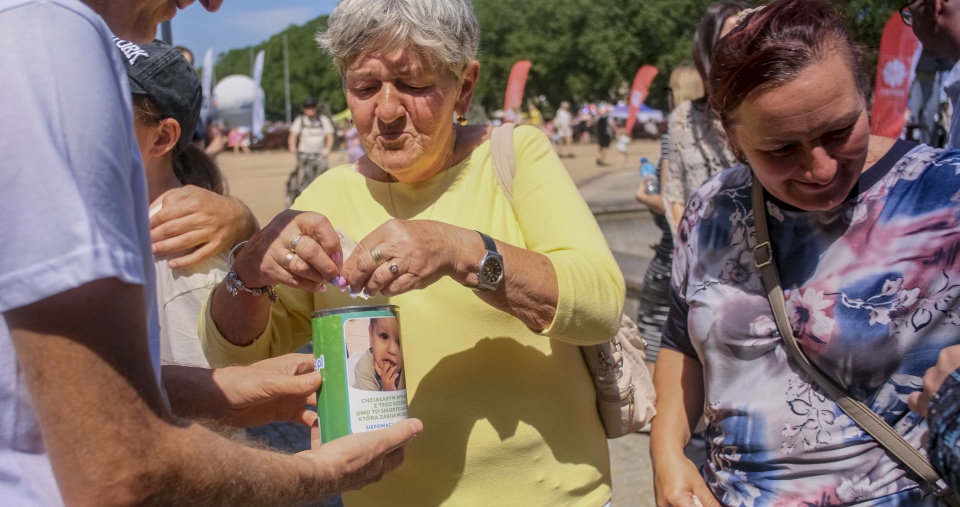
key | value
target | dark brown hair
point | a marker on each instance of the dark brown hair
(708, 33)
(192, 166)
(773, 46)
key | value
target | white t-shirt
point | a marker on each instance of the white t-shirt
(313, 133)
(181, 294)
(72, 197)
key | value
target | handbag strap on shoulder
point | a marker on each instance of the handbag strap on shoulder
(503, 157)
(867, 419)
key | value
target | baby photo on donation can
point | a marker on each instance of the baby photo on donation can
(375, 372)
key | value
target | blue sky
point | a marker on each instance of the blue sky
(241, 23)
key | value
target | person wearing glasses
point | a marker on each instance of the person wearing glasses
(937, 24)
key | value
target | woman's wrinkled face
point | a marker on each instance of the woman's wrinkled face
(403, 109)
(385, 343)
(807, 140)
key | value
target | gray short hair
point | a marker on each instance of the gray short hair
(444, 31)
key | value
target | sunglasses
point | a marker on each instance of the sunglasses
(906, 15)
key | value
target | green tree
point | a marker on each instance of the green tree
(866, 20)
(312, 73)
(580, 50)
(583, 50)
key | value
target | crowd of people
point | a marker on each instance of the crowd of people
(156, 314)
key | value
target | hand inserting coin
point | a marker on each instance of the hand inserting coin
(347, 246)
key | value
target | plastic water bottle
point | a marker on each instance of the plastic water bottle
(646, 168)
(653, 187)
(648, 171)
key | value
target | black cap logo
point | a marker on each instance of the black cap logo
(130, 50)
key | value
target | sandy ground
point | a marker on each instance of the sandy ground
(259, 179)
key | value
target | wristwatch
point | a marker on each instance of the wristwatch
(490, 269)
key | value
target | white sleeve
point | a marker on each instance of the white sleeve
(72, 189)
(297, 125)
(182, 294)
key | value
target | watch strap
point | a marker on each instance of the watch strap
(488, 242)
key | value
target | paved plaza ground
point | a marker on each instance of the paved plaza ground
(259, 179)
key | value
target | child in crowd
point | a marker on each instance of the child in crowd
(166, 105)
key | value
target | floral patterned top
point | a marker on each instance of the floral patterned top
(872, 288)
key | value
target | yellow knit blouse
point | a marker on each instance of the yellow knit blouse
(509, 414)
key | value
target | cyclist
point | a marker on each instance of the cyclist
(311, 138)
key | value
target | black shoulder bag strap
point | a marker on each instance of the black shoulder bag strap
(867, 419)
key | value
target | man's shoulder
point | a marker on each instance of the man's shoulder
(37, 8)
(58, 34)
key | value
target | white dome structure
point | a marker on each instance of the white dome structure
(233, 99)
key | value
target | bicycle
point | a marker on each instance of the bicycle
(309, 166)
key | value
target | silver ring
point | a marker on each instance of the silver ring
(394, 268)
(377, 256)
(287, 259)
(294, 242)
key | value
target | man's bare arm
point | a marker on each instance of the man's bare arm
(292, 142)
(275, 389)
(112, 441)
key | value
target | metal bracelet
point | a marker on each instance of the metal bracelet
(235, 285)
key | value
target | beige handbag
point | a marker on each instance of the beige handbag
(625, 395)
(867, 419)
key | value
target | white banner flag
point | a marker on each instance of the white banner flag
(258, 98)
(206, 81)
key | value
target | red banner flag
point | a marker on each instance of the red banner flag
(516, 84)
(638, 94)
(899, 50)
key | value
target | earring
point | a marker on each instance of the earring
(462, 120)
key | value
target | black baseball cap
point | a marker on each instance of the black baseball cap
(309, 102)
(160, 72)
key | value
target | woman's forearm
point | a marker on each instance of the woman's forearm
(678, 381)
(241, 318)
(653, 202)
(529, 290)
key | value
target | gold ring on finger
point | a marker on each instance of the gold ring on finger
(377, 256)
(294, 242)
(287, 259)
(394, 268)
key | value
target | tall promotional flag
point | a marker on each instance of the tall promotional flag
(206, 83)
(638, 94)
(899, 51)
(258, 99)
(515, 85)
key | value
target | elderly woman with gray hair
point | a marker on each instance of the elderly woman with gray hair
(496, 292)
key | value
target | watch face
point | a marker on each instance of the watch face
(492, 270)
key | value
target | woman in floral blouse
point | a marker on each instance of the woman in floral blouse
(865, 232)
